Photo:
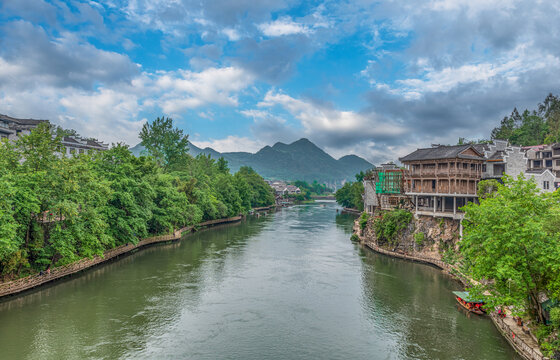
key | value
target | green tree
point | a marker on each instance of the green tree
(165, 143)
(512, 238)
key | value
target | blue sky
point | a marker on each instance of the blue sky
(373, 78)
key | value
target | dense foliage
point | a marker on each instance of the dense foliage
(390, 223)
(512, 237)
(314, 188)
(56, 209)
(540, 126)
(350, 195)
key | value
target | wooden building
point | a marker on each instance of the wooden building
(441, 179)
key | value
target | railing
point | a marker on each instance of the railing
(446, 172)
(528, 352)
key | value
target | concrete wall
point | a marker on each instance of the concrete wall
(515, 159)
(370, 199)
(541, 178)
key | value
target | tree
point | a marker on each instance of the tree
(512, 239)
(166, 144)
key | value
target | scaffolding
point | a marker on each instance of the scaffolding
(388, 181)
(389, 187)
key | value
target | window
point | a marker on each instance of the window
(546, 185)
(557, 162)
(483, 167)
(433, 184)
(548, 163)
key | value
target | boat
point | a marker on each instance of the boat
(470, 304)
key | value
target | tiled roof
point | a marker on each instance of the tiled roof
(21, 121)
(498, 155)
(442, 152)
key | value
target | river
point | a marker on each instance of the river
(290, 285)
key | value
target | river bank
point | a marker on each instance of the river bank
(524, 344)
(288, 285)
(30, 282)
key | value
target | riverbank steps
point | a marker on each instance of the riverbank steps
(438, 233)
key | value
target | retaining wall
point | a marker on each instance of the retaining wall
(33, 281)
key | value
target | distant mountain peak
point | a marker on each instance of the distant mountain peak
(303, 141)
(300, 160)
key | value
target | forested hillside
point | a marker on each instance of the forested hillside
(532, 127)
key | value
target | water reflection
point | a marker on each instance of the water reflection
(289, 285)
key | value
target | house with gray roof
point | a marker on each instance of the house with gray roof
(77, 145)
(441, 179)
(11, 128)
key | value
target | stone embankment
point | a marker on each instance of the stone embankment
(33, 281)
(446, 230)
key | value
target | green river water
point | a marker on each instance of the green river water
(290, 285)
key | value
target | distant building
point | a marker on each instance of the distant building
(292, 189)
(544, 179)
(544, 157)
(12, 128)
(77, 145)
(502, 159)
(282, 189)
(384, 188)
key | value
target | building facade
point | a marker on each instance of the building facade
(502, 159)
(544, 157)
(12, 128)
(441, 179)
(384, 188)
(75, 145)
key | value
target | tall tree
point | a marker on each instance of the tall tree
(511, 238)
(165, 143)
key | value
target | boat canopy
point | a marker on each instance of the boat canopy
(466, 297)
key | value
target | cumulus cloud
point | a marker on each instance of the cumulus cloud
(283, 26)
(185, 89)
(63, 61)
(330, 125)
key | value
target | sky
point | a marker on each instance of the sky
(373, 78)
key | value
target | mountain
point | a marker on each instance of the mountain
(300, 160)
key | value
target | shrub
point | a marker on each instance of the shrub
(355, 237)
(419, 238)
(389, 224)
(363, 220)
(555, 317)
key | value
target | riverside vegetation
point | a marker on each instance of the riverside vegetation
(57, 209)
(510, 247)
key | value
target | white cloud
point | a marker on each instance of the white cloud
(521, 60)
(185, 89)
(231, 143)
(320, 120)
(283, 26)
(232, 34)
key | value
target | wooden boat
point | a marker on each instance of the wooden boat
(470, 304)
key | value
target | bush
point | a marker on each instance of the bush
(355, 237)
(555, 317)
(363, 220)
(389, 224)
(419, 238)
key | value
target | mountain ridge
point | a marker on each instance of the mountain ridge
(299, 160)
